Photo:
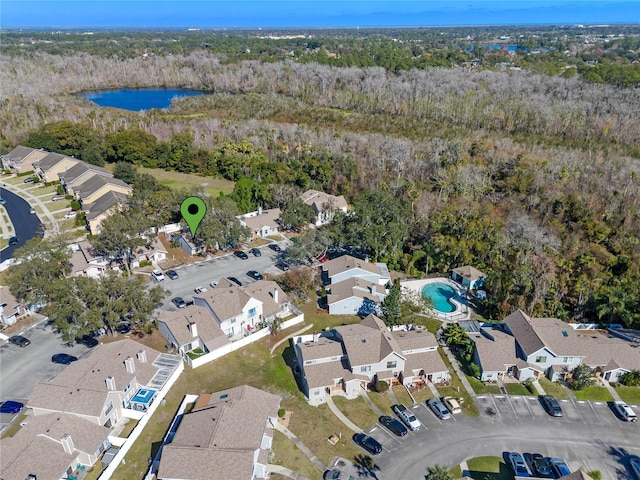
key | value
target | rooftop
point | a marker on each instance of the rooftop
(207, 328)
(347, 262)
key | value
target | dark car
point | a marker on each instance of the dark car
(172, 274)
(517, 464)
(559, 467)
(19, 340)
(87, 340)
(179, 302)
(255, 275)
(370, 444)
(241, 254)
(394, 425)
(275, 247)
(283, 266)
(332, 475)
(123, 328)
(14, 240)
(63, 358)
(541, 466)
(29, 180)
(256, 252)
(235, 280)
(551, 405)
(10, 406)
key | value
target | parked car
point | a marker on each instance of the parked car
(395, 426)
(367, 442)
(63, 358)
(241, 254)
(452, 404)
(55, 198)
(20, 341)
(625, 412)
(157, 275)
(256, 252)
(275, 247)
(559, 467)
(235, 280)
(123, 328)
(179, 302)
(407, 416)
(71, 214)
(541, 466)
(283, 266)
(551, 405)
(29, 180)
(634, 465)
(14, 240)
(200, 289)
(255, 275)
(214, 284)
(438, 408)
(10, 406)
(517, 464)
(172, 274)
(32, 211)
(87, 340)
(332, 475)
(2, 201)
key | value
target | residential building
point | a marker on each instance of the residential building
(10, 307)
(52, 446)
(190, 329)
(98, 185)
(21, 159)
(228, 434)
(78, 174)
(154, 252)
(119, 379)
(469, 277)
(52, 164)
(324, 205)
(103, 207)
(186, 243)
(351, 357)
(261, 223)
(85, 262)
(347, 297)
(346, 267)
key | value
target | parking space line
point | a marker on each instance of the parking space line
(596, 413)
(382, 429)
(495, 406)
(511, 405)
(526, 401)
(432, 414)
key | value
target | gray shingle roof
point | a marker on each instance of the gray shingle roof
(208, 329)
(19, 153)
(347, 262)
(496, 349)
(96, 182)
(225, 301)
(263, 290)
(102, 204)
(80, 169)
(51, 160)
(469, 272)
(414, 339)
(519, 324)
(367, 342)
(355, 287)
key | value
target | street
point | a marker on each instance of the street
(26, 225)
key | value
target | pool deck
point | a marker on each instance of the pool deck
(462, 311)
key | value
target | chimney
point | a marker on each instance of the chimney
(128, 363)
(142, 356)
(274, 294)
(259, 210)
(193, 328)
(111, 383)
(67, 443)
(315, 336)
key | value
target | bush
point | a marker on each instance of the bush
(381, 386)
(474, 370)
(630, 379)
(281, 412)
(595, 474)
(75, 205)
(60, 190)
(146, 263)
(580, 378)
(24, 174)
(55, 182)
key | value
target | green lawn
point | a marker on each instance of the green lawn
(382, 401)
(516, 389)
(457, 390)
(285, 453)
(481, 388)
(629, 394)
(4, 242)
(401, 394)
(553, 388)
(489, 468)
(598, 394)
(422, 394)
(357, 411)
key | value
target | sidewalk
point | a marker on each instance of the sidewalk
(612, 390)
(301, 446)
(369, 402)
(285, 472)
(461, 376)
(538, 387)
(280, 342)
(341, 416)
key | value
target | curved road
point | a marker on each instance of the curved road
(25, 224)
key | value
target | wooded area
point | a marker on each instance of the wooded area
(528, 177)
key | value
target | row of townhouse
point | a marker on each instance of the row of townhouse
(526, 347)
(94, 187)
(352, 357)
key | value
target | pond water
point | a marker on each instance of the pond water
(139, 99)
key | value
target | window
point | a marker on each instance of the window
(233, 320)
(107, 410)
(252, 312)
(365, 368)
(392, 364)
(541, 359)
(566, 360)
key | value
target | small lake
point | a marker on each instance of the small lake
(139, 99)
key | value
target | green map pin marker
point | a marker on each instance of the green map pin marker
(193, 210)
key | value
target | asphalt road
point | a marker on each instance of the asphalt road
(25, 224)
(589, 435)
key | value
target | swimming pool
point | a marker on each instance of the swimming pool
(440, 293)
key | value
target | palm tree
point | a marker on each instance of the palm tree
(438, 472)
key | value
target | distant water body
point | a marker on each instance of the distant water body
(139, 99)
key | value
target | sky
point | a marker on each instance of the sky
(310, 13)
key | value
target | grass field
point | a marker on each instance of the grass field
(629, 394)
(382, 401)
(553, 388)
(482, 389)
(457, 390)
(489, 468)
(401, 394)
(516, 389)
(422, 394)
(286, 454)
(596, 394)
(357, 411)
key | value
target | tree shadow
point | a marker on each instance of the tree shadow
(366, 466)
(622, 456)
(290, 359)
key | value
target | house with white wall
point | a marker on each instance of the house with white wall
(261, 223)
(469, 277)
(346, 267)
(10, 307)
(85, 262)
(347, 297)
(324, 205)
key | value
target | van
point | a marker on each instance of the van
(157, 275)
(625, 411)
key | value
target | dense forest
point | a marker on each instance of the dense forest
(529, 176)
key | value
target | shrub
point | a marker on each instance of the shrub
(580, 378)
(381, 386)
(75, 205)
(145, 263)
(55, 182)
(630, 379)
(474, 370)
(60, 190)
(24, 174)
(281, 412)
(595, 474)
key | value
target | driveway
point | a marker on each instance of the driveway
(589, 435)
(25, 224)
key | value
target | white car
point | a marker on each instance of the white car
(200, 289)
(214, 284)
(71, 214)
(407, 417)
(625, 411)
(157, 275)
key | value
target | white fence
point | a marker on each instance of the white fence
(107, 472)
(233, 346)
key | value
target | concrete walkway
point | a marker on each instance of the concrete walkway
(465, 469)
(301, 446)
(612, 390)
(372, 406)
(285, 472)
(280, 342)
(341, 416)
(461, 376)
(538, 387)
(434, 390)
(392, 396)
